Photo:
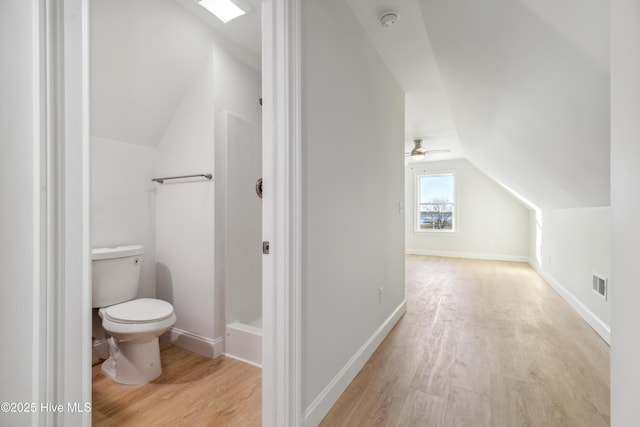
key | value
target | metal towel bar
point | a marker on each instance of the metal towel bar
(162, 180)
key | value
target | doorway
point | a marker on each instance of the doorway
(175, 100)
(71, 377)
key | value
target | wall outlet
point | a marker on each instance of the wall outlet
(380, 294)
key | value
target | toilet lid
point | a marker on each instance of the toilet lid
(139, 311)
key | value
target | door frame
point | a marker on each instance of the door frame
(282, 213)
(62, 322)
(64, 47)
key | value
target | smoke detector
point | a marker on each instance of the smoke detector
(389, 19)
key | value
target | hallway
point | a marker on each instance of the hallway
(483, 343)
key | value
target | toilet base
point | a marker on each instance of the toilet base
(133, 362)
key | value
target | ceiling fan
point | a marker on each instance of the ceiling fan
(419, 152)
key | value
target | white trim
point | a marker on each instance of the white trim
(40, 307)
(416, 202)
(62, 326)
(469, 255)
(281, 278)
(332, 392)
(195, 343)
(587, 315)
(431, 233)
(244, 342)
(248, 362)
(74, 341)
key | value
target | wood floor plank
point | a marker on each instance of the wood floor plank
(192, 391)
(482, 343)
(422, 410)
(497, 347)
(467, 409)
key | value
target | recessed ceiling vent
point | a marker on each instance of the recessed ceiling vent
(600, 285)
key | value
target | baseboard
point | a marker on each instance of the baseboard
(469, 255)
(244, 343)
(332, 392)
(594, 321)
(247, 361)
(208, 347)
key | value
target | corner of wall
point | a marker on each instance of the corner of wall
(321, 405)
(587, 315)
(195, 343)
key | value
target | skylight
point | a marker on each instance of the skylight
(225, 10)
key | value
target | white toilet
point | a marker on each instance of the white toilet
(133, 324)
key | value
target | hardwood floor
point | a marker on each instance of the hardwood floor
(192, 391)
(483, 343)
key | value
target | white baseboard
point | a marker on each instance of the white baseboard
(594, 321)
(469, 255)
(332, 392)
(247, 361)
(244, 343)
(208, 347)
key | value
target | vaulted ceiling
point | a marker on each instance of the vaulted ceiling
(518, 87)
(144, 54)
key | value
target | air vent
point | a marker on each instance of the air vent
(600, 285)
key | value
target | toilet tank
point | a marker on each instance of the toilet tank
(115, 274)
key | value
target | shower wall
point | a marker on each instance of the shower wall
(238, 165)
(243, 242)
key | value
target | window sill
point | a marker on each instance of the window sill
(435, 233)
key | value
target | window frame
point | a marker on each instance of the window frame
(454, 219)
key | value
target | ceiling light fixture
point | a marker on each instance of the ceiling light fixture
(418, 151)
(389, 19)
(225, 10)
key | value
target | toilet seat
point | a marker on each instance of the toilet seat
(143, 310)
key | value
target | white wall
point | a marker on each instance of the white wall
(491, 223)
(144, 54)
(19, 213)
(190, 226)
(575, 244)
(352, 184)
(185, 209)
(123, 201)
(625, 203)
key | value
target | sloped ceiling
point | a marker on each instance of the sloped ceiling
(407, 51)
(144, 54)
(527, 84)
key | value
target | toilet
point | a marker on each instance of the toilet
(133, 325)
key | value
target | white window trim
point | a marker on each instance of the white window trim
(416, 204)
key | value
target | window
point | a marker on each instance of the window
(436, 203)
